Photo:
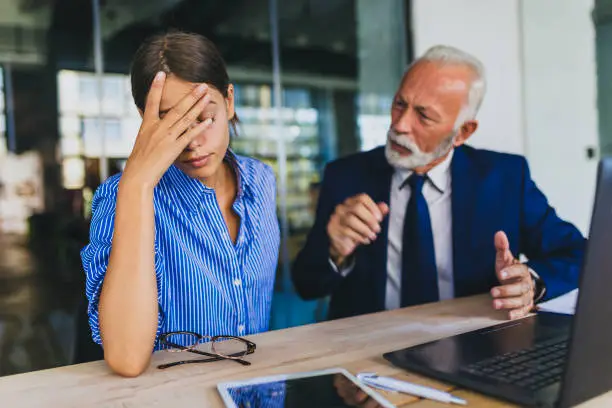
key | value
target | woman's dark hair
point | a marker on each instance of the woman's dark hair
(189, 56)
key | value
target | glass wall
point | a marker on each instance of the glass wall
(3, 146)
(42, 227)
(343, 60)
(314, 81)
(96, 120)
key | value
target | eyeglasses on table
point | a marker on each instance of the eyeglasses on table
(216, 348)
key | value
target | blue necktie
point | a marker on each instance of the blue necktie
(419, 273)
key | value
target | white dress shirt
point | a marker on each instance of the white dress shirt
(437, 193)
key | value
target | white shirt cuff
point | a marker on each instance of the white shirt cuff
(345, 270)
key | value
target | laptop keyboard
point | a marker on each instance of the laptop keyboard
(532, 368)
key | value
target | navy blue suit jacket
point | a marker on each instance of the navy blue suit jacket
(490, 192)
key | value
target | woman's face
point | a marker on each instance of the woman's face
(204, 155)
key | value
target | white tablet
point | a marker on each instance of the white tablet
(331, 388)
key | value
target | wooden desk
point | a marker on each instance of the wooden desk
(355, 344)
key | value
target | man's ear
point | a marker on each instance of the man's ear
(229, 101)
(466, 130)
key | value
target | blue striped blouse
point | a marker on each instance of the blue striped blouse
(206, 283)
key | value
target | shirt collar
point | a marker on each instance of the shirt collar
(243, 175)
(439, 176)
(191, 190)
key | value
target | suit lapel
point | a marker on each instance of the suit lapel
(378, 187)
(465, 181)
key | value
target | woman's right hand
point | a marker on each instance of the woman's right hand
(161, 141)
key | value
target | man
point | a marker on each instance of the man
(427, 218)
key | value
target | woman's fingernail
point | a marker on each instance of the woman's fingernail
(201, 89)
(159, 76)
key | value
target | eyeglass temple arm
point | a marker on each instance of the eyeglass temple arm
(194, 351)
(207, 360)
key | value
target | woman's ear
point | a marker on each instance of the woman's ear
(229, 101)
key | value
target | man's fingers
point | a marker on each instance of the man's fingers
(503, 254)
(514, 302)
(384, 208)
(501, 242)
(520, 312)
(512, 289)
(508, 303)
(345, 246)
(348, 233)
(352, 221)
(513, 272)
(367, 217)
(366, 201)
(154, 97)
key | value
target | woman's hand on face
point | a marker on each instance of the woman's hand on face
(161, 141)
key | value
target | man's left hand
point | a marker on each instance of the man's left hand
(516, 292)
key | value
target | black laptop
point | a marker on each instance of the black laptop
(548, 360)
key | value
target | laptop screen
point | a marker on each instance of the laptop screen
(589, 364)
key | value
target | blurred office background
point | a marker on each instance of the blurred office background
(314, 81)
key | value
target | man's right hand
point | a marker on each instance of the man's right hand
(354, 222)
(161, 141)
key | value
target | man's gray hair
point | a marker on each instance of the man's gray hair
(447, 55)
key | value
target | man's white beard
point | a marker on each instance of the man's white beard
(418, 158)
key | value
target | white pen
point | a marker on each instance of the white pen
(391, 384)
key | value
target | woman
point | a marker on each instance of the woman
(186, 238)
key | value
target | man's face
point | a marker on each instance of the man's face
(423, 115)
